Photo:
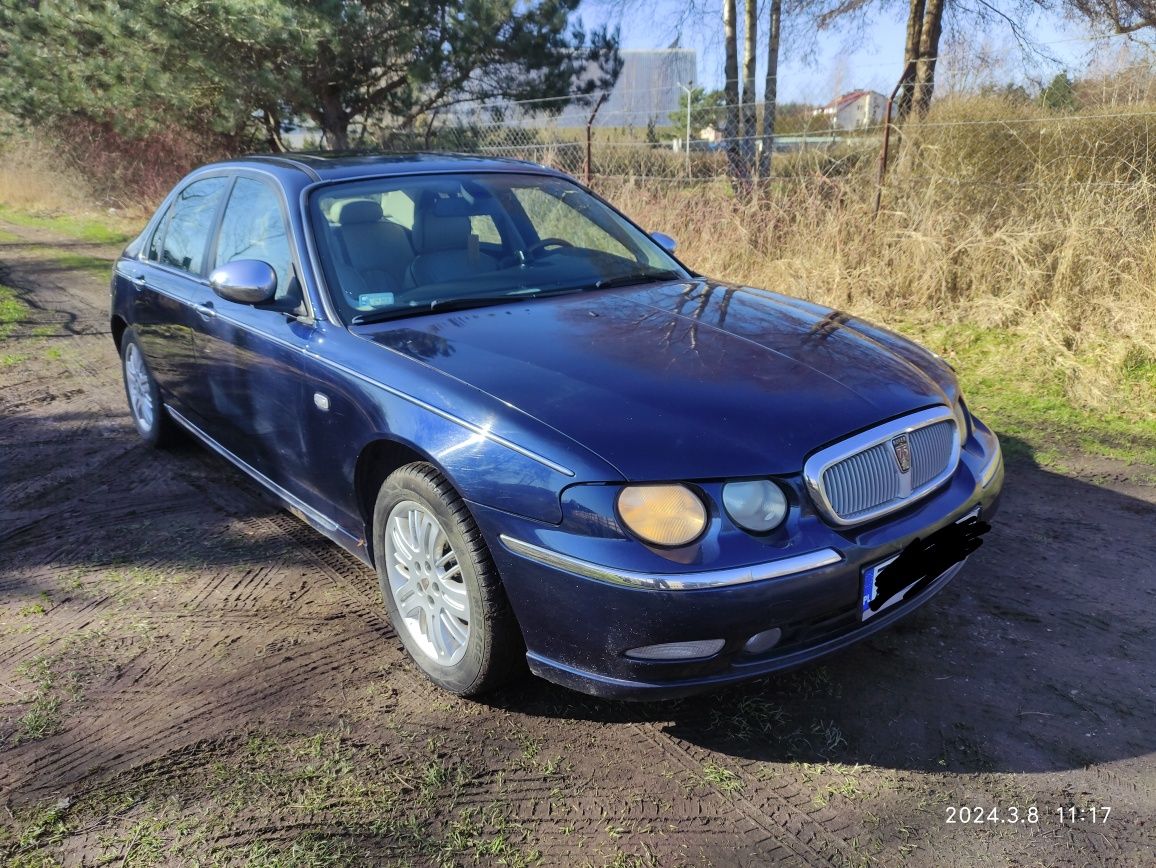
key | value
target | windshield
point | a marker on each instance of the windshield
(402, 246)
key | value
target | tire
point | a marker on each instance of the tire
(440, 586)
(144, 397)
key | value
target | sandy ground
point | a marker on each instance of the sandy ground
(188, 674)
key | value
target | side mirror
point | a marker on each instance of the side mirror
(664, 241)
(245, 281)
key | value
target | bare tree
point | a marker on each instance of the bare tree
(929, 35)
(910, 56)
(1123, 16)
(733, 127)
(749, 95)
(771, 87)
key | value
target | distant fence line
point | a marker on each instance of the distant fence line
(965, 141)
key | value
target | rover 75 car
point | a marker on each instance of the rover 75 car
(558, 446)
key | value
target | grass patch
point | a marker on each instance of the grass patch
(95, 230)
(82, 262)
(721, 778)
(41, 716)
(1024, 397)
(311, 800)
(12, 310)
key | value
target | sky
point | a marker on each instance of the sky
(816, 68)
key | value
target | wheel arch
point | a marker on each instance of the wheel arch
(376, 461)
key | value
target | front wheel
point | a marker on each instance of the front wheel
(144, 397)
(440, 585)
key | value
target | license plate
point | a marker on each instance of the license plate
(890, 581)
(871, 589)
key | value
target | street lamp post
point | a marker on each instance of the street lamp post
(687, 90)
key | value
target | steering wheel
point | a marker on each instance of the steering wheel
(544, 245)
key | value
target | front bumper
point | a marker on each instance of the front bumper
(579, 616)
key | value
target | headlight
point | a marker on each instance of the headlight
(759, 505)
(666, 515)
(961, 422)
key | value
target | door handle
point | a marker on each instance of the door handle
(138, 280)
(205, 310)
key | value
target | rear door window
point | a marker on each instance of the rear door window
(190, 223)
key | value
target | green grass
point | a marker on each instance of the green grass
(12, 310)
(82, 262)
(1023, 399)
(721, 778)
(41, 717)
(95, 230)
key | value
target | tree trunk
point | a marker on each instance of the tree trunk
(928, 55)
(750, 96)
(333, 120)
(272, 124)
(910, 57)
(731, 92)
(771, 89)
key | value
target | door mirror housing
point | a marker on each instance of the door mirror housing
(664, 241)
(245, 281)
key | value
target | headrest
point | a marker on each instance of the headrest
(434, 230)
(359, 211)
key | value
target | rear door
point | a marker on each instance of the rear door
(251, 395)
(170, 288)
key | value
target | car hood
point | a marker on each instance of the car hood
(682, 380)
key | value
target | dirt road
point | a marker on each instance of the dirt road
(188, 673)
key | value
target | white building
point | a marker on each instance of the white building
(855, 110)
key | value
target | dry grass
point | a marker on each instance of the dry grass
(1068, 273)
(32, 179)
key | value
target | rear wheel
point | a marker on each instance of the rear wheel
(440, 585)
(144, 398)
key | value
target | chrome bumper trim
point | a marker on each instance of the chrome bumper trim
(675, 581)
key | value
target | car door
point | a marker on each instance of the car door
(169, 287)
(251, 392)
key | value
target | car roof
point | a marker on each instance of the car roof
(342, 166)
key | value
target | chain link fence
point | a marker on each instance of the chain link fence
(970, 142)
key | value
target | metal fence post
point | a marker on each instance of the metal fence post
(883, 151)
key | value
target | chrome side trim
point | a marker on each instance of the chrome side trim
(293, 501)
(817, 464)
(675, 581)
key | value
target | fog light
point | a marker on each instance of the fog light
(763, 641)
(677, 650)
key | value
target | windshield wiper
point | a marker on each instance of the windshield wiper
(439, 305)
(637, 278)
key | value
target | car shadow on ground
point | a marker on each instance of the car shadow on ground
(1040, 656)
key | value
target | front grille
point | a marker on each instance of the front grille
(930, 452)
(862, 477)
(863, 481)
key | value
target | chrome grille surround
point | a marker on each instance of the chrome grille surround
(859, 479)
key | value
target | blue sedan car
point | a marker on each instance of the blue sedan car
(555, 443)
